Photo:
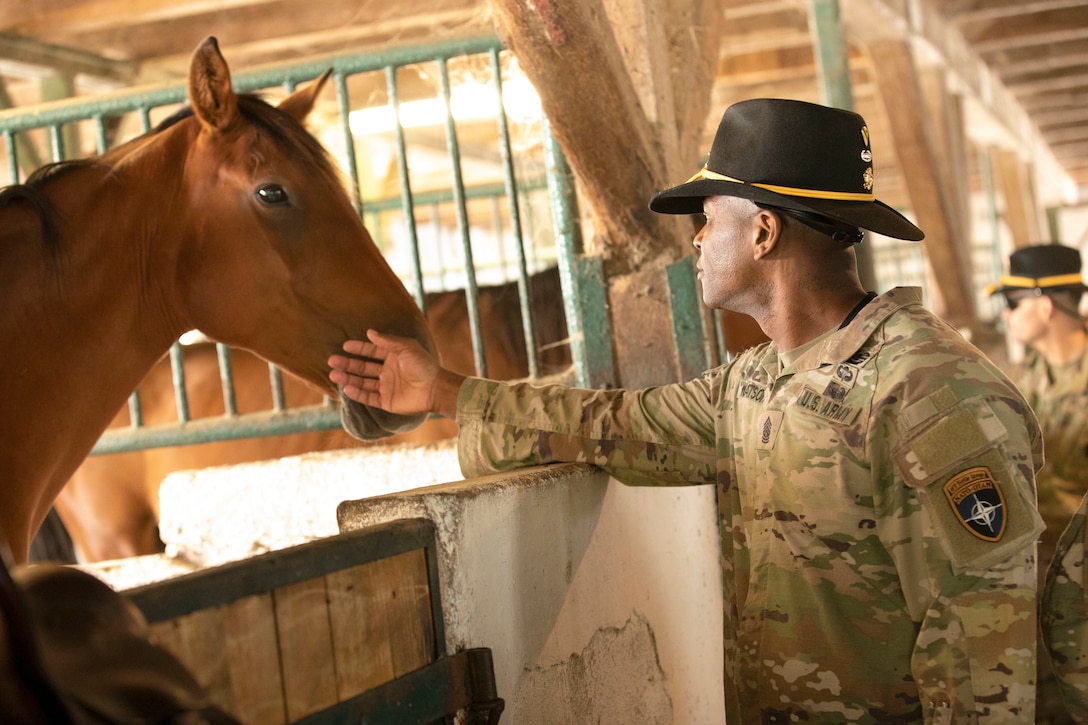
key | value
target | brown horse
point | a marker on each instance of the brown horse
(230, 219)
(111, 505)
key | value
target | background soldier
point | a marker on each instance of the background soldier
(1043, 291)
(876, 471)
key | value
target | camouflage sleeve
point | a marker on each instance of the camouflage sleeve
(658, 436)
(1064, 615)
(968, 461)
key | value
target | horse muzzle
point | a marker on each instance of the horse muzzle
(371, 424)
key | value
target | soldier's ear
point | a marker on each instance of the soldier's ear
(1046, 307)
(768, 227)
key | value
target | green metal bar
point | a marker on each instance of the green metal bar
(582, 278)
(275, 380)
(687, 321)
(459, 201)
(350, 162)
(56, 142)
(833, 72)
(13, 157)
(166, 94)
(444, 196)
(511, 190)
(100, 133)
(226, 378)
(407, 204)
(135, 410)
(223, 428)
(177, 368)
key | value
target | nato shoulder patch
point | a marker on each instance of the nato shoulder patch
(978, 502)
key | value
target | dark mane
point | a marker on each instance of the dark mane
(283, 129)
(31, 192)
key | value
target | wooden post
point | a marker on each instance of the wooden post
(1021, 210)
(626, 88)
(913, 136)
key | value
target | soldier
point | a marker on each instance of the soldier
(1043, 291)
(876, 471)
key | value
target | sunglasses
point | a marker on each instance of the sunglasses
(1014, 302)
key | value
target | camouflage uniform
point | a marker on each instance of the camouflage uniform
(1064, 616)
(1059, 396)
(878, 512)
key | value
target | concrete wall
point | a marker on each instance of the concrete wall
(601, 602)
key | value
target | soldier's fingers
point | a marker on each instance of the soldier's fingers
(355, 366)
(364, 348)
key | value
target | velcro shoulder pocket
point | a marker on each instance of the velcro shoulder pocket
(980, 505)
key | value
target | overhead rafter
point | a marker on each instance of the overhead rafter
(61, 59)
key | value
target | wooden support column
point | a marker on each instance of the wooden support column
(914, 139)
(1021, 209)
(626, 88)
(950, 144)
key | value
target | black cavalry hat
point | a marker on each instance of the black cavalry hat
(1042, 267)
(793, 155)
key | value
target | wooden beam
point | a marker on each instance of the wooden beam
(1053, 26)
(1021, 211)
(44, 16)
(928, 189)
(65, 60)
(950, 142)
(972, 11)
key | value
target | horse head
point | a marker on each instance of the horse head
(283, 265)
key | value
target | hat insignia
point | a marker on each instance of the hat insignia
(867, 179)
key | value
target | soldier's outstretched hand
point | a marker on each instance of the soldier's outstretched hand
(389, 372)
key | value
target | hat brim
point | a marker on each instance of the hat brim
(1002, 287)
(876, 216)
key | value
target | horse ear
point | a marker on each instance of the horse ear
(210, 91)
(301, 102)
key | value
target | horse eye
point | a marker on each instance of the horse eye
(272, 194)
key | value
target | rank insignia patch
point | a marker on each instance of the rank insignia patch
(977, 502)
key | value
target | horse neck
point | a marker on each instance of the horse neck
(82, 328)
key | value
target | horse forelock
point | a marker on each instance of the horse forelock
(289, 134)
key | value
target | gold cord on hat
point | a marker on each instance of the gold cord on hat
(705, 173)
(1057, 280)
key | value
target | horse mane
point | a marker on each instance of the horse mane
(284, 130)
(31, 191)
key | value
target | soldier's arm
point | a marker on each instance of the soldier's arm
(967, 522)
(658, 436)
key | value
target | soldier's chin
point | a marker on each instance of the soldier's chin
(371, 424)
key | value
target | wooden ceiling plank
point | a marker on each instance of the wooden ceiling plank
(1041, 29)
(250, 23)
(988, 10)
(42, 17)
(1071, 78)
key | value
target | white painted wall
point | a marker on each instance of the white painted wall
(601, 602)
